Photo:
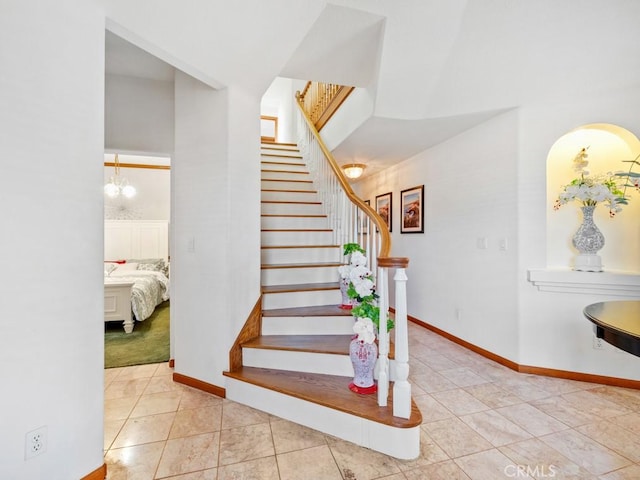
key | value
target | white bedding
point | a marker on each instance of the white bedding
(149, 290)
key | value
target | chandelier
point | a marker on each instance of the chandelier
(353, 170)
(119, 186)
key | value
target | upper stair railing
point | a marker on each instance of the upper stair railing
(353, 221)
(321, 100)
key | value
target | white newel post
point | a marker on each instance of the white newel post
(401, 387)
(383, 338)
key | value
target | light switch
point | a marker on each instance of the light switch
(191, 244)
(504, 245)
(481, 243)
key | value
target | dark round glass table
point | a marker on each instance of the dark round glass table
(617, 323)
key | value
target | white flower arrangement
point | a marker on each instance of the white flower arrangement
(591, 190)
(362, 288)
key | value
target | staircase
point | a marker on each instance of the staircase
(298, 368)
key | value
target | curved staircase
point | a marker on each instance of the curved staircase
(298, 368)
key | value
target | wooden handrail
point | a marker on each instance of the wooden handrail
(385, 237)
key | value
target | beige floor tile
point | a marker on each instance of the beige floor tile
(189, 454)
(289, 436)
(557, 386)
(612, 436)
(126, 388)
(360, 462)
(520, 387)
(463, 377)
(459, 402)
(631, 472)
(119, 408)
(595, 404)
(433, 382)
(624, 397)
(436, 361)
(138, 371)
(260, 469)
(490, 465)
(310, 463)
(192, 398)
(543, 461)
(162, 383)
(455, 437)
(567, 412)
(110, 375)
(630, 422)
(152, 428)
(245, 443)
(138, 462)
(154, 403)
(495, 428)
(430, 452)
(439, 471)
(492, 395)
(534, 421)
(431, 409)
(236, 415)
(208, 474)
(195, 421)
(583, 451)
(163, 369)
(111, 430)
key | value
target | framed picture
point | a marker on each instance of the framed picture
(412, 210)
(384, 207)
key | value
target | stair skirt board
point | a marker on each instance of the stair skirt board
(272, 301)
(307, 325)
(401, 443)
(325, 363)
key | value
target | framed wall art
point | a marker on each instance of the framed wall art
(384, 208)
(412, 210)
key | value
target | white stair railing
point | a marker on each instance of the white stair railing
(353, 221)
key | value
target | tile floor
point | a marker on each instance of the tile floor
(480, 421)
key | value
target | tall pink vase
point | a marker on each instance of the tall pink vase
(363, 357)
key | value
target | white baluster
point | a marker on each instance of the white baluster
(383, 338)
(401, 387)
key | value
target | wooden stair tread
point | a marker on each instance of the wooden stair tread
(300, 287)
(327, 390)
(282, 215)
(285, 180)
(332, 344)
(264, 170)
(296, 230)
(287, 190)
(311, 311)
(267, 266)
(280, 156)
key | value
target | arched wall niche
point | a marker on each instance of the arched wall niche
(608, 146)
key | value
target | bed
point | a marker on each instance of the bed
(133, 290)
(135, 284)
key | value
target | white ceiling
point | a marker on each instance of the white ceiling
(434, 68)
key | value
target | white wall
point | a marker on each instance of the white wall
(553, 330)
(51, 328)
(138, 115)
(216, 220)
(470, 193)
(279, 101)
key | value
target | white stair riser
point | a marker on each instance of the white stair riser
(297, 196)
(287, 185)
(302, 237)
(402, 443)
(300, 255)
(280, 152)
(284, 175)
(338, 325)
(293, 222)
(289, 276)
(292, 208)
(298, 361)
(301, 299)
(274, 164)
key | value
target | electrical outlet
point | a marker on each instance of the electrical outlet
(35, 442)
(598, 343)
